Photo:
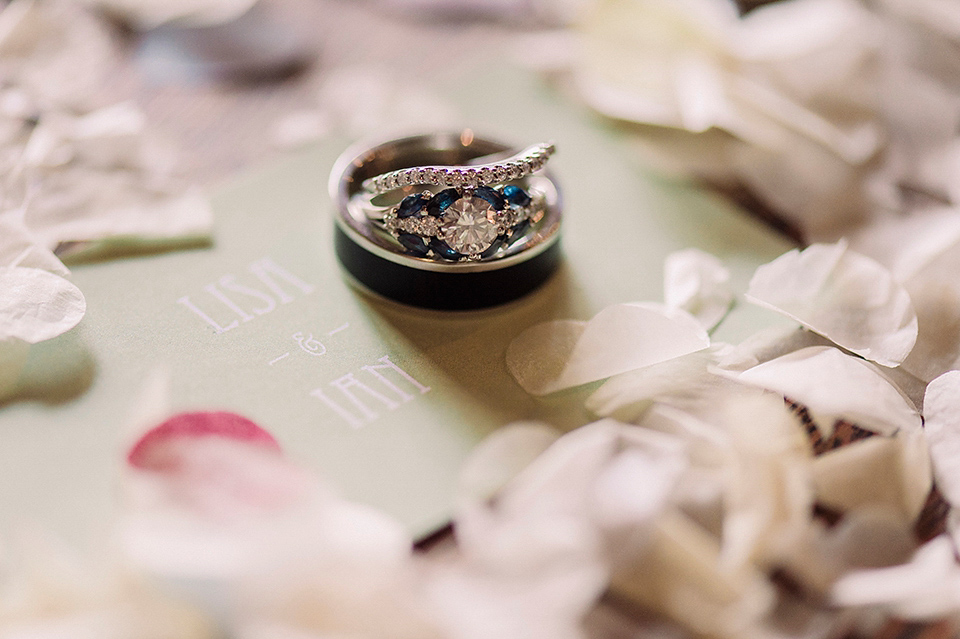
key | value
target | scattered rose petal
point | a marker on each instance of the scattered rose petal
(842, 295)
(153, 13)
(36, 305)
(51, 591)
(556, 355)
(501, 456)
(767, 495)
(156, 449)
(698, 283)
(925, 588)
(768, 344)
(891, 472)
(301, 128)
(833, 385)
(936, 299)
(907, 244)
(684, 381)
(549, 604)
(941, 413)
(682, 578)
(18, 247)
(135, 218)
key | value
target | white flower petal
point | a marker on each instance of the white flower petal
(698, 283)
(892, 472)
(936, 298)
(559, 479)
(768, 344)
(682, 578)
(36, 305)
(635, 487)
(549, 604)
(685, 382)
(842, 295)
(150, 14)
(138, 218)
(926, 588)
(941, 413)
(18, 247)
(907, 244)
(834, 385)
(501, 456)
(556, 355)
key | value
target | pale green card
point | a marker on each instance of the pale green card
(383, 400)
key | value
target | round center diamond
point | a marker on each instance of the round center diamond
(469, 225)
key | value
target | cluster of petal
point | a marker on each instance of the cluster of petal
(361, 99)
(801, 101)
(37, 302)
(698, 283)
(844, 296)
(83, 172)
(923, 252)
(50, 591)
(771, 431)
(153, 13)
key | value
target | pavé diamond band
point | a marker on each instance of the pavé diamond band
(515, 167)
(483, 231)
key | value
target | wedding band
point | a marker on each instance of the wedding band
(516, 167)
(450, 243)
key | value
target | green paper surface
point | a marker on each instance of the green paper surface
(302, 342)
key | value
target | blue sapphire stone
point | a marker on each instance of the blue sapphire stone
(411, 206)
(491, 196)
(442, 201)
(413, 243)
(518, 231)
(516, 196)
(443, 249)
(497, 243)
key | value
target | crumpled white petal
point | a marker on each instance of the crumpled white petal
(50, 592)
(686, 382)
(890, 472)
(556, 355)
(842, 295)
(941, 412)
(36, 305)
(501, 456)
(833, 385)
(149, 14)
(906, 244)
(698, 283)
(19, 247)
(768, 344)
(925, 588)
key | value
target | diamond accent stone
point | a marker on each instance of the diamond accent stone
(470, 178)
(469, 225)
(428, 226)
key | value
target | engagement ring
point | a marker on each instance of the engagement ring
(446, 220)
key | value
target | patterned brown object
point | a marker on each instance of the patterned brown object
(897, 629)
(931, 522)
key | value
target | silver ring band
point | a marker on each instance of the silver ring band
(515, 167)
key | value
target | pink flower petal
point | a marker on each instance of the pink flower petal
(152, 452)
